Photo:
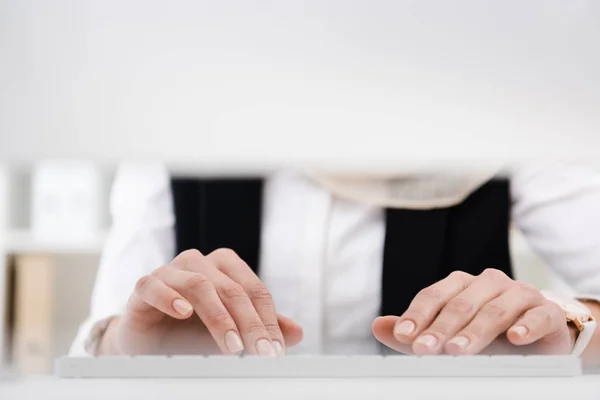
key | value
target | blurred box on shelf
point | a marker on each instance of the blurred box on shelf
(66, 200)
(33, 314)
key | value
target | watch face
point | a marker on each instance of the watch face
(570, 306)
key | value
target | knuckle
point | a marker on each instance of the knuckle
(460, 306)
(197, 282)
(462, 277)
(430, 293)
(417, 313)
(459, 275)
(526, 286)
(160, 271)
(273, 329)
(494, 274)
(529, 290)
(190, 254)
(256, 327)
(494, 311)
(142, 283)
(219, 318)
(224, 253)
(259, 292)
(233, 292)
(547, 316)
(136, 313)
(542, 316)
(187, 257)
(552, 311)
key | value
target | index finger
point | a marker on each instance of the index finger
(426, 305)
(383, 328)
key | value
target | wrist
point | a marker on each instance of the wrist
(107, 342)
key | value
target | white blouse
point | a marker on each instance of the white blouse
(322, 261)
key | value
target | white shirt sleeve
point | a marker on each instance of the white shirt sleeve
(557, 207)
(141, 239)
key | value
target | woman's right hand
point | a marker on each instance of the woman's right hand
(201, 304)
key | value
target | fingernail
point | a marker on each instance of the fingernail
(278, 348)
(182, 307)
(233, 342)
(428, 341)
(265, 348)
(406, 328)
(520, 330)
(460, 341)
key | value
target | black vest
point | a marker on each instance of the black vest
(421, 246)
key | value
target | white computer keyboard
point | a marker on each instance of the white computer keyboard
(317, 366)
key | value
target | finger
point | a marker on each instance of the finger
(426, 305)
(460, 310)
(383, 330)
(493, 319)
(151, 299)
(292, 332)
(255, 335)
(190, 260)
(201, 293)
(546, 323)
(228, 262)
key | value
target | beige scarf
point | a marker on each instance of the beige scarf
(419, 191)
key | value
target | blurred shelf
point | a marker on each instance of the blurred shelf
(23, 241)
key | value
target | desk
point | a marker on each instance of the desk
(581, 388)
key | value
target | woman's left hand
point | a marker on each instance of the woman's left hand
(490, 313)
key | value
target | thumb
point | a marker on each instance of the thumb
(292, 332)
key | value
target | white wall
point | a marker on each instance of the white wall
(357, 83)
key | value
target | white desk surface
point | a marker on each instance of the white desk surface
(581, 388)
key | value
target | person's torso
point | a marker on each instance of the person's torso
(333, 264)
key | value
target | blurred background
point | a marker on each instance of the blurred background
(247, 86)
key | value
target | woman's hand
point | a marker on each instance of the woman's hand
(489, 313)
(202, 305)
